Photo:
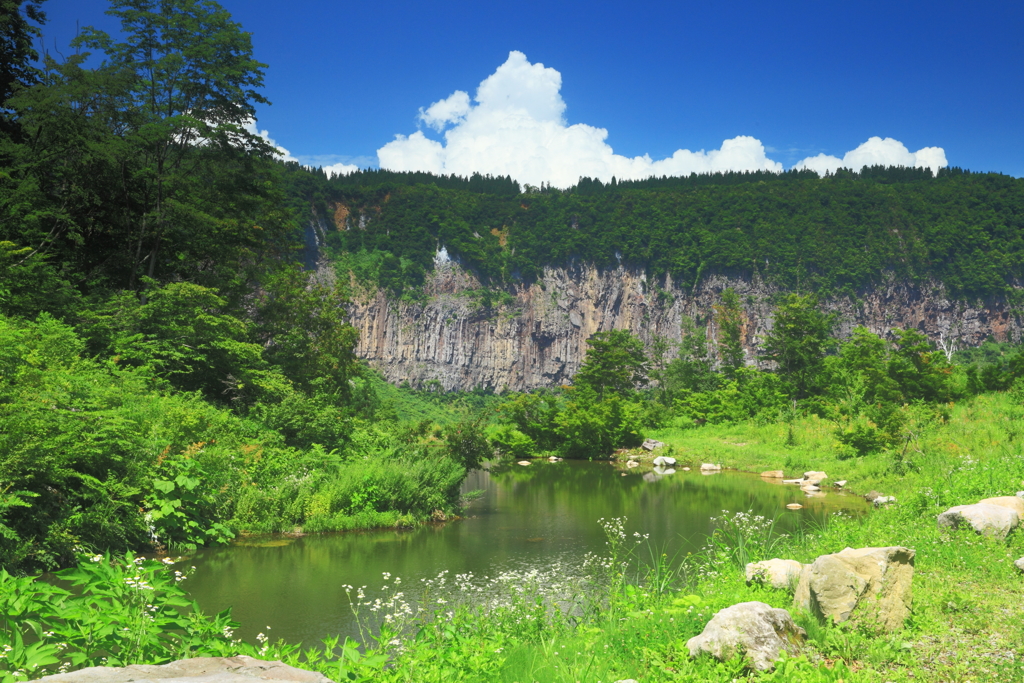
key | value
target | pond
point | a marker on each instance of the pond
(526, 518)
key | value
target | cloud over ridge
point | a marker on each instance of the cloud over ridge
(517, 127)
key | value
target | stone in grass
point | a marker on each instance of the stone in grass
(1019, 564)
(755, 630)
(780, 574)
(814, 478)
(651, 444)
(1012, 502)
(664, 461)
(240, 669)
(861, 585)
(988, 520)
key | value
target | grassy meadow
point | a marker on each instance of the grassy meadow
(630, 614)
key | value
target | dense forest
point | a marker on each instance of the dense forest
(171, 367)
(829, 235)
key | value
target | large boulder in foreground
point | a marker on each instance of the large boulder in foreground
(753, 629)
(240, 669)
(870, 586)
(781, 574)
(986, 519)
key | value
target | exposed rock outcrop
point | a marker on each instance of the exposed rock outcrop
(538, 338)
(752, 629)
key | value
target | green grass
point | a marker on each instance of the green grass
(624, 618)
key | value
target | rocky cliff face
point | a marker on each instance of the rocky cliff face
(538, 338)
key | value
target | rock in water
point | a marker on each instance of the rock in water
(754, 629)
(862, 585)
(781, 574)
(773, 474)
(710, 467)
(664, 461)
(240, 669)
(988, 520)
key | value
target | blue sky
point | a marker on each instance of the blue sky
(800, 79)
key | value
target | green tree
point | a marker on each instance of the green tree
(693, 368)
(190, 88)
(615, 364)
(800, 337)
(16, 53)
(729, 314)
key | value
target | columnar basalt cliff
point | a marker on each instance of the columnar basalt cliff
(538, 339)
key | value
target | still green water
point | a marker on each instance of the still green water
(528, 517)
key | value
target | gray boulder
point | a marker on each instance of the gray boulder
(753, 629)
(773, 474)
(710, 467)
(781, 574)
(664, 461)
(651, 444)
(881, 501)
(240, 669)
(988, 520)
(1019, 564)
(862, 585)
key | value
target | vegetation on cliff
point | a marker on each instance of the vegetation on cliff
(828, 235)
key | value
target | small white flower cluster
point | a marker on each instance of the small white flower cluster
(137, 582)
(264, 641)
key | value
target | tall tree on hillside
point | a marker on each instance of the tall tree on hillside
(145, 165)
(800, 337)
(730, 324)
(614, 366)
(190, 90)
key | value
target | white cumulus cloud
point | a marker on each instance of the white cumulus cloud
(330, 169)
(339, 169)
(878, 152)
(515, 125)
(251, 127)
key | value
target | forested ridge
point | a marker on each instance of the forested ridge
(829, 235)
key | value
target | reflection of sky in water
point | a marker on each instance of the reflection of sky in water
(529, 518)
